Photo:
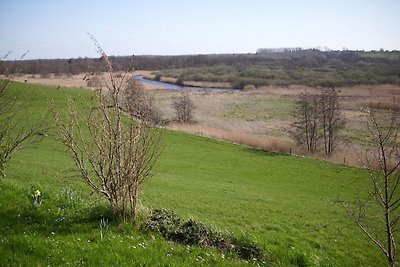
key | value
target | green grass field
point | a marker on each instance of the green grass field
(261, 109)
(281, 202)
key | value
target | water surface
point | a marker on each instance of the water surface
(171, 86)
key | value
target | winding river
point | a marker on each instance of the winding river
(171, 86)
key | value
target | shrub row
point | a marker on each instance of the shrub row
(261, 75)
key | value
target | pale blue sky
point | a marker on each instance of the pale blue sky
(57, 29)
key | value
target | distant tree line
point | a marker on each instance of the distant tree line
(266, 67)
(303, 67)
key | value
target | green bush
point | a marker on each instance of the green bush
(162, 221)
(179, 81)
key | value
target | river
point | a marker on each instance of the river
(171, 86)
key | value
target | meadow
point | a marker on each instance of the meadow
(285, 204)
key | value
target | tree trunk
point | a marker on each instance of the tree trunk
(133, 200)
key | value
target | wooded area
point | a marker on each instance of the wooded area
(310, 67)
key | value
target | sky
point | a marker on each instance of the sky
(58, 29)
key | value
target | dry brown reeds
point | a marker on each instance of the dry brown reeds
(392, 105)
(282, 144)
(276, 144)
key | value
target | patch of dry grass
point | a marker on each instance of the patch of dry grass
(282, 145)
(63, 80)
(77, 81)
(208, 84)
(361, 91)
(168, 79)
(392, 105)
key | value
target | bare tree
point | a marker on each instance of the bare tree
(306, 131)
(16, 128)
(184, 108)
(377, 214)
(331, 119)
(319, 118)
(141, 104)
(113, 153)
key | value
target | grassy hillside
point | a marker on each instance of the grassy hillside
(281, 202)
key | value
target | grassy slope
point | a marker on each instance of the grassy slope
(281, 202)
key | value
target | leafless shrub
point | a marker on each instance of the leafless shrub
(306, 131)
(331, 119)
(141, 104)
(377, 213)
(113, 154)
(16, 128)
(319, 119)
(184, 108)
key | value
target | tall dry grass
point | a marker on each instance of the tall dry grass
(64, 80)
(276, 144)
(392, 105)
(347, 154)
(208, 84)
(383, 90)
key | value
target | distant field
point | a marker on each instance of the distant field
(283, 203)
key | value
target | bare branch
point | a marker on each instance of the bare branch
(384, 130)
(16, 130)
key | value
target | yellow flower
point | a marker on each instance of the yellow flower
(36, 193)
